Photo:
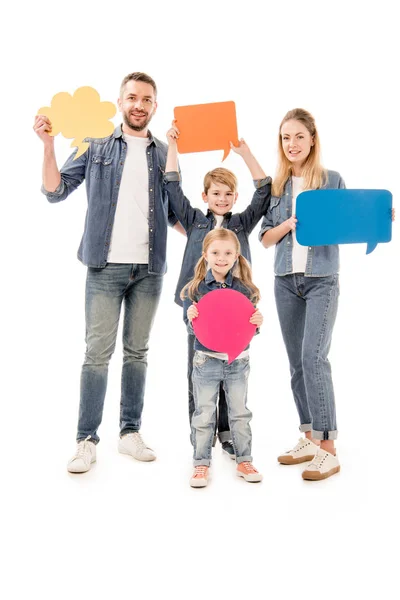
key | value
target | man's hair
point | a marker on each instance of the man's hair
(137, 76)
(220, 175)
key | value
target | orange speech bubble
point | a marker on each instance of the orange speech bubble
(206, 127)
(80, 116)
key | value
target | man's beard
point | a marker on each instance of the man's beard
(125, 117)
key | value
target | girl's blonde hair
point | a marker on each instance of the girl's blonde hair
(242, 268)
(313, 172)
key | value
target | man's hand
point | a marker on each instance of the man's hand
(42, 127)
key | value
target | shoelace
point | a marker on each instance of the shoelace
(317, 460)
(83, 448)
(137, 440)
(200, 471)
(249, 467)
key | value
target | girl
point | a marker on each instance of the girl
(306, 293)
(214, 270)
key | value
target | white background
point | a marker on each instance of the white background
(139, 530)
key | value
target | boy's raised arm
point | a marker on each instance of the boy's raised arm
(180, 205)
(262, 196)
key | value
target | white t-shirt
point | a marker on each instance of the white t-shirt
(299, 256)
(219, 219)
(130, 234)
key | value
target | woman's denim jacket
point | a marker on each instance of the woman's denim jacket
(321, 260)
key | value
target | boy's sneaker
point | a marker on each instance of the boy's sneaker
(323, 465)
(248, 472)
(132, 444)
(228, 448)
(199, 477)
(83, 458)
(303, 451)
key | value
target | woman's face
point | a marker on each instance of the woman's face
(296, 142)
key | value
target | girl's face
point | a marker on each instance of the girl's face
(296, 142)
(221, 256)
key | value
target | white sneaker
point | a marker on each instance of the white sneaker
(303, 451)
(132, 444)
(323, 465)
(83, 458)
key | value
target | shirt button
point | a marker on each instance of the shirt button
(150, 169)
(223, 285)
(151, 210)
(150, 248)
(151, 190)
(288, 243)
(309, 248)
(151, 230)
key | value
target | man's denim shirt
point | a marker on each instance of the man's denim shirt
(208, 285)
(197, 224)
(101, 166)
(321, 260)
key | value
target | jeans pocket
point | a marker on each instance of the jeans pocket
(199, 359)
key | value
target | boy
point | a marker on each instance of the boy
(220, 194)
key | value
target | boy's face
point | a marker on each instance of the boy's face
(220, 198)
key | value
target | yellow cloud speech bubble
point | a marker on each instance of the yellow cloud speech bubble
(79, 116)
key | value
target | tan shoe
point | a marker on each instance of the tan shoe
(324, 465)
(303, 451)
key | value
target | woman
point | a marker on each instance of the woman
(306, 293)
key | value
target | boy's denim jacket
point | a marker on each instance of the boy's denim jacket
(208, 285)
(321, 260)
(101, 166)
(197, 224)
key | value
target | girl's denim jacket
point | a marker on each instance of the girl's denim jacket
(321, 260)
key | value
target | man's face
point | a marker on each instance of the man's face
(220, 198)
(137, 105)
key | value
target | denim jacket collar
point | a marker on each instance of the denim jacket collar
(211, 215)
(118, 133)
(210, 279)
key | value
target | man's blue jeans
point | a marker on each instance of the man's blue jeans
(106, 290)
(307, 308)
(208, 373)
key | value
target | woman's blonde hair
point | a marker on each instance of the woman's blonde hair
(242, 269)
(313, 172)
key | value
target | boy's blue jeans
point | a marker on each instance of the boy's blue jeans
(307, 308)
(222, 424)
(106, 290)
(208, 373)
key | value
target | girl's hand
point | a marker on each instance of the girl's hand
(242, 149)
(291, 223)
(257, 318)
(173, 133)
(192, 312)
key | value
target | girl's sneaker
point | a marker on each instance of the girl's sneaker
(248, 472)
(199, 477)
(323, 465)
(303, 451)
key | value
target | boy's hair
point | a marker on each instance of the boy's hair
(313, 172)
(220, 175)
(242, 270)
(138, 76)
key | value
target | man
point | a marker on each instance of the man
(124, 248)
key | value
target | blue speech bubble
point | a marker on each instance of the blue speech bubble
(328, 217)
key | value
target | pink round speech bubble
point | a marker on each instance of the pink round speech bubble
(223, 322)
